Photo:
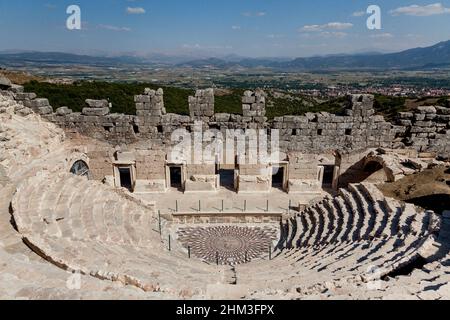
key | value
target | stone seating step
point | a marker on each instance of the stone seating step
(349, 220)
(357, 211)
(321, 221)
(312, 221)
(368, 207)
(331, 219)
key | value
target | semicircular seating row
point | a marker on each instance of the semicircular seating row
(25, 275)
(360, 234)
(86, 226)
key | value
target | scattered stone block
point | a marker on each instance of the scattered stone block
(95, 111)
(97, 103)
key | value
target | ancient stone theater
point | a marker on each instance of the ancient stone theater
(96, 205)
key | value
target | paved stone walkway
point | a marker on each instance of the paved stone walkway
(228, 244)
(172, 200)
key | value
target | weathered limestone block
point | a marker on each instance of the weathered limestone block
(254, 183)
(36, 103)
(248, 100)
(443, 117)
(24, 111)
(150, 110)
(254, 106)
(63, 111)
(419, 117)
(405, 115)
(5, 83)
(45, 110)
(443, 110)
(423, 123)
(25, 96)
(430, 116)
(303, 186)
(426, 109)
(378, 119)
(362, 105)
(201, 183)
(16, 88)
(202, 104)
(97, 103)
(222, 117)
(96, 111)
(142, 99)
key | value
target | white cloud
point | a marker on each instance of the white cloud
(275, 36)
(236, 27)
(421, 11)
(358, 13)
(206, 47)
(254, 14)
(386, 35)
(113, 28)
(333, 34)
(327, 26)
(135, 10)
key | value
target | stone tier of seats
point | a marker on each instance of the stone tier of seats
(359, 213)
(85, 226)
(334, 249)
(359, 235)
(25, 275)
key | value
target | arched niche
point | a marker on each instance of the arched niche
(80, 168)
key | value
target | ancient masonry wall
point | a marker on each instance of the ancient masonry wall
(201, 106)
(307, 142)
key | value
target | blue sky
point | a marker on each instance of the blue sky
(255, 28)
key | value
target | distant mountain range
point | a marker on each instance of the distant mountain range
(65, 58)
(437, 56)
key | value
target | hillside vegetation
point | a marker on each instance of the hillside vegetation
(121, 95)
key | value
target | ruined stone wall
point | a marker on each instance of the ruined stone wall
(100, 162)
(305, 138)
(322, 132)
(254, 178)
(426, 130)
(150, 164)
(201, 106)
(303, 173)
(254, 107)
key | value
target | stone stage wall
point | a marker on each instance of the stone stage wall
(308, 144)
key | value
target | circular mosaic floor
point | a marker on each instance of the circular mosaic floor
(229, 245)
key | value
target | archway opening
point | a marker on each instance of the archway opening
(374, 172)
(80, 168)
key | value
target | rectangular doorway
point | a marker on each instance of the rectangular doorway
(176, 180)
(328, 176)
(278, 180)
(125, 178)
(227, 178)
